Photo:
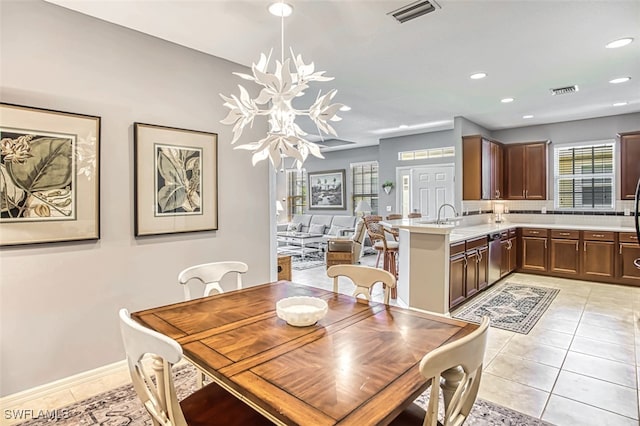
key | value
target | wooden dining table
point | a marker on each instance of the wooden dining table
(356, 366)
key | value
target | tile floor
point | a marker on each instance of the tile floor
(580, 365)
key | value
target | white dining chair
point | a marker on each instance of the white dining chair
(364, 277)
(211, 405)
(210, 274)
(460, 360)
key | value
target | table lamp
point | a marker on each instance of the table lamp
(363, 207)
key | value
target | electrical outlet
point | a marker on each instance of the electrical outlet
(627, 212)
(388, 208)
(544, 210)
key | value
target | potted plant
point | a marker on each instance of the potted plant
(387, 186)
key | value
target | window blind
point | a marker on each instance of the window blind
(584, 176)
(365, 184)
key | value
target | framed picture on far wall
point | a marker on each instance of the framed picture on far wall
(49, 176)
(176, 180)
(327, 190)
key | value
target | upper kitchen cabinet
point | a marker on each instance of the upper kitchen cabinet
(482, 169)
(629, 164)
(526, 171)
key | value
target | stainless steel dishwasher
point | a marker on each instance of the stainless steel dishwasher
(495, 257)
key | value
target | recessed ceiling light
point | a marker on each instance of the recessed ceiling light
(280, 9)
(345, 108)
(619, 80)
(527, 116)
(618, 43)
(402, 126)
(478, 75)
(506, 100)
(620, 104)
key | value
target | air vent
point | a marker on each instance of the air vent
(564, 90)
(414, 10)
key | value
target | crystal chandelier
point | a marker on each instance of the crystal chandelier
(284, 138)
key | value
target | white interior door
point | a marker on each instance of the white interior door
(425, 189)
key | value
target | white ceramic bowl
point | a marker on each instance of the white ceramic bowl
(301, 311)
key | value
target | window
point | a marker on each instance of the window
(365, 184)
(424, 154)
(584, 176)
(296, 191)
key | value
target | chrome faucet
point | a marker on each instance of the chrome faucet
(455, 213)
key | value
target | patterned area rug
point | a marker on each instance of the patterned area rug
(121, 407)
(513, 307)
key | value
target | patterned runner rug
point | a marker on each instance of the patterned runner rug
(121, 406)
(513, 307)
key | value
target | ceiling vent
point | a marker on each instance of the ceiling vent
(414, 10)
(564, 90)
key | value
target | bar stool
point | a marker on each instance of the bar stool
(386, 248)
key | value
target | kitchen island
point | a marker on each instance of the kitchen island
(424, 255)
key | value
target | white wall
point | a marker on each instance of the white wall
(59, 302)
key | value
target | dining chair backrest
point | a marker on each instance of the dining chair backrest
(466, 355)
(159, 398)
(210, 274)
(364, 277)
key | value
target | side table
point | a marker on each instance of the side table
(284, 268)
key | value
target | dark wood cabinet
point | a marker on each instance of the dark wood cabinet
(526, 171)
(508, 253)
(534, 250)
(628, 252)
(468, 269)
(482, 169)
(565, 253)
(598, 255)
(629, 164)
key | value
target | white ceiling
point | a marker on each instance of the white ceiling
(417, 74)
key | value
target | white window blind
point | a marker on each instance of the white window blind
(584, 176)
(365, 184)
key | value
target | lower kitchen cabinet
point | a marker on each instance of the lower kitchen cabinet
(628, 252)
(565, 253)
(598, 255)
(534, 250)
(468, 269)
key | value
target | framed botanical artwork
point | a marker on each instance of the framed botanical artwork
(327, 190)
(176, 180)
(49, 176)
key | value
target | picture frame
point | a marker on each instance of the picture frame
(49, 176)
(327, 190)
(175, 180)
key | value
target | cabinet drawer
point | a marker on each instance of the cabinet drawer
(534, 232)
(456, 248)
(512, 232)
(566, 234)
(504, 235)
(598, 236)
(628, 237)
(476, 242)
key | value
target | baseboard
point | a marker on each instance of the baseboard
(62, 384)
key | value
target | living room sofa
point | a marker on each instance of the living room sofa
(329, 226)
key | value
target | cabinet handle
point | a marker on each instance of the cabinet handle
(565, 234)
(545, 243)
(620, 252)
(465, 261)
(576, 246)
(479, 258)
(534, 232)
(509, 245)
(523, 192)
(585, 246)
(526, 193)
(598, 235)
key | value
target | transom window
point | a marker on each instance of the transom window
(365, 184)
(423, 154)
(584, 176)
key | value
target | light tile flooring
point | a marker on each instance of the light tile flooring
(580, 365)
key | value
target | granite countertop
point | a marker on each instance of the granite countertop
(461, 233)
